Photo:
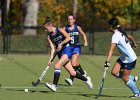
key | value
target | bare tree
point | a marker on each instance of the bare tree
(0, 17)
(31, 7)
(75, 4)
(8, 5)
(8, 8)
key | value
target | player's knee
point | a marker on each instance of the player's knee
(57, 66)
(73, 73)
(114, 73)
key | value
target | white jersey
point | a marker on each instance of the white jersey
(127, 53)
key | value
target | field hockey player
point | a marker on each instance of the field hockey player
(74, 31)
(127, 60)
(60, 39)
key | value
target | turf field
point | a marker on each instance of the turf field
(18, 71)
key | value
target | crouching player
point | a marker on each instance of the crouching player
(59, 38)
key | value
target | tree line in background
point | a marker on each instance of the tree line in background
(90, 14)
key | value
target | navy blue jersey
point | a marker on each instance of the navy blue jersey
(57, 38)
(74, 34)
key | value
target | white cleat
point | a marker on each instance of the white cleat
(135, 96)
(51, 86)
(136, 78)
(89, 83)
(68, 81)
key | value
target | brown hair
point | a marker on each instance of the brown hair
(47, 21)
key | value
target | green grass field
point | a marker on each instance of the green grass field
(18, 71)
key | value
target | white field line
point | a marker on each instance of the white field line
(16, 87)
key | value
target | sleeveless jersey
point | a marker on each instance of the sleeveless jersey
(74, 34)
(57, 38)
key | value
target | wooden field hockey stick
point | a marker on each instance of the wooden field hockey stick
(35, 83)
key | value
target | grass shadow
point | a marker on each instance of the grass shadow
(96, 97)
(112, 96)
(31, 91)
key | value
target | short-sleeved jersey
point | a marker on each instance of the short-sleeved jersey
(127, 53)
(57, 38)
(74, 34)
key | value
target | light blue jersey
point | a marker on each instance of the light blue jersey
(127, 53)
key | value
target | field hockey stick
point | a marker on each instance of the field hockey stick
(102, 83)
(80, 45)
(35, 83)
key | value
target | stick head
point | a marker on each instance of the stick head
(35, 83)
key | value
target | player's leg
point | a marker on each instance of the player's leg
(134, 78)
(75, 74)
(117, 71)
(77, 67)
(74, 62)
(130, 83)
(57, 72)
(76, 52)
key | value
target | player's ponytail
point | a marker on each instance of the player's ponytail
(47, 21)
(114, 23)
(122, 31)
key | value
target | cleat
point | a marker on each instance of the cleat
(89, 83)
(135, 96)
(51, 86)
(136, 78)
(68, 81)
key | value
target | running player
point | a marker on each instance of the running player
(127, 60)
(73, 30)
(59, 38)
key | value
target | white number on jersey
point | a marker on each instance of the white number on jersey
(72, 40)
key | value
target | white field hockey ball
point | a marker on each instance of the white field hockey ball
(26, 90)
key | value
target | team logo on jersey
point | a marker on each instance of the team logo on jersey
(73, 33)
(57, 38)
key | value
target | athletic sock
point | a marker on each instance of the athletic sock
(80, 69)
(132, 86)
(56, 76)
(131, 77)
(71, 77)
(79, 76)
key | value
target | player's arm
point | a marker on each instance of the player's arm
(51, 47)
(67, 39)
(112, 48)
(64, 28)
(84, 35)
(134, 44)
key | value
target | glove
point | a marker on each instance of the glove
(107, 64)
